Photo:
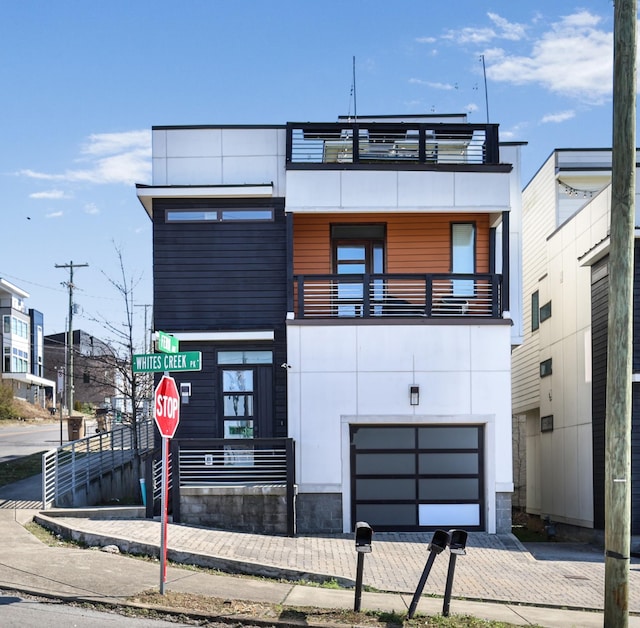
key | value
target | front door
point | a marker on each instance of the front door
(246, 394)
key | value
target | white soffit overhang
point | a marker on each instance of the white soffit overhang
(146, 194)
(220, 336)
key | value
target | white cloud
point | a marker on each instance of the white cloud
(471, 107)
(573, 59)
(443, 86)
(501, 29)
(508, 30)
(91, 208)
(57, 214)
(559, 117)
(123, 158)
(50, 195)
(426, 40)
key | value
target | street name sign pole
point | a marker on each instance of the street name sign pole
(166, 412)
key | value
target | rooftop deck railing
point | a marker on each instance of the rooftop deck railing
(372, 144)
(398, 295)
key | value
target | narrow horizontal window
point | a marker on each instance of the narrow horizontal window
(245, 357)
(191, 216)
(247, 214)
(217, 215)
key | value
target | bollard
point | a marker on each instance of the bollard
(364, 533)
(439, 542)
(457, 544)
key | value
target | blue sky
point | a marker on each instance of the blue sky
(84, 82)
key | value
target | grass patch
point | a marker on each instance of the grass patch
(20, 468)
(192, 604)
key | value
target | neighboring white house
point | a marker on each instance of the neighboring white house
(22, 341)
(559, 372)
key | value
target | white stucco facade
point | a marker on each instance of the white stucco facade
(345, 375)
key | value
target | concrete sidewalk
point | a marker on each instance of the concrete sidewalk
(495, 578)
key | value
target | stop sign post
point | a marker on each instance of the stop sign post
(166, 412)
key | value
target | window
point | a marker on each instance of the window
(463, 257)
(545, 312)
(545, 368)
(245, 357)
(535, 310)
(6, 324)
(217, 215)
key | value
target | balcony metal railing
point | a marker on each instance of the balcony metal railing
(398, 295)
(374, 145)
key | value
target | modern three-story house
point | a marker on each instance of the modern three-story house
(354, 286)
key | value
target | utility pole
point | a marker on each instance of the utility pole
(620, 337)
(69, 365)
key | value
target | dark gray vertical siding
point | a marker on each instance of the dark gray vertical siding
(599, 321)
(221, 276)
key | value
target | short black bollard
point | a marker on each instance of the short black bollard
(439, 542)
(457, 544)
(364, 534)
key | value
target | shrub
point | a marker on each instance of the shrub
(6, 403)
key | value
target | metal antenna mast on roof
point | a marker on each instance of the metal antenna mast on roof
(355, 104)
(486, 95)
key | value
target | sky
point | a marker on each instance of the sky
(84, 82)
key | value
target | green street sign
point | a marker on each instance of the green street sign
(167, 343)
(158, 362)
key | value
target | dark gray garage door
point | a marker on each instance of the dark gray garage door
(407, 477)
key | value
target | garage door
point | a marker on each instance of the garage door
(407, 477)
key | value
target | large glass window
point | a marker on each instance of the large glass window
(463, 257)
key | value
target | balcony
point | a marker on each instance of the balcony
(374, 145)
(398, 296)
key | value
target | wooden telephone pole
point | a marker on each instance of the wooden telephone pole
(620, 338)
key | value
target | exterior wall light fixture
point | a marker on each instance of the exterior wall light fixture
(414, 395)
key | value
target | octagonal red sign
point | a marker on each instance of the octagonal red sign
(166, 409)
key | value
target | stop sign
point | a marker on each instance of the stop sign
(166, 409)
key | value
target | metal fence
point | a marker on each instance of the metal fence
(73, 466)
(223, 462)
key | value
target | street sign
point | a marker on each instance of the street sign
(160, 362)
(167, 343)
(166, 409)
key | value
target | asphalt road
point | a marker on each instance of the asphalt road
(18, 612)
(22, 438)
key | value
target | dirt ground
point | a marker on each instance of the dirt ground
(31, 412)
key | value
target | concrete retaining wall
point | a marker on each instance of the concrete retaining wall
(255, 509)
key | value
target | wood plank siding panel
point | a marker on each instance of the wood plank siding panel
(538, 222)
(218, 275)
(415, 243)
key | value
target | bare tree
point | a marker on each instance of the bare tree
(134, 388)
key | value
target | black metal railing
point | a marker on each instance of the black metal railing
(398, 295)
(226, 462)
(375, 144)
